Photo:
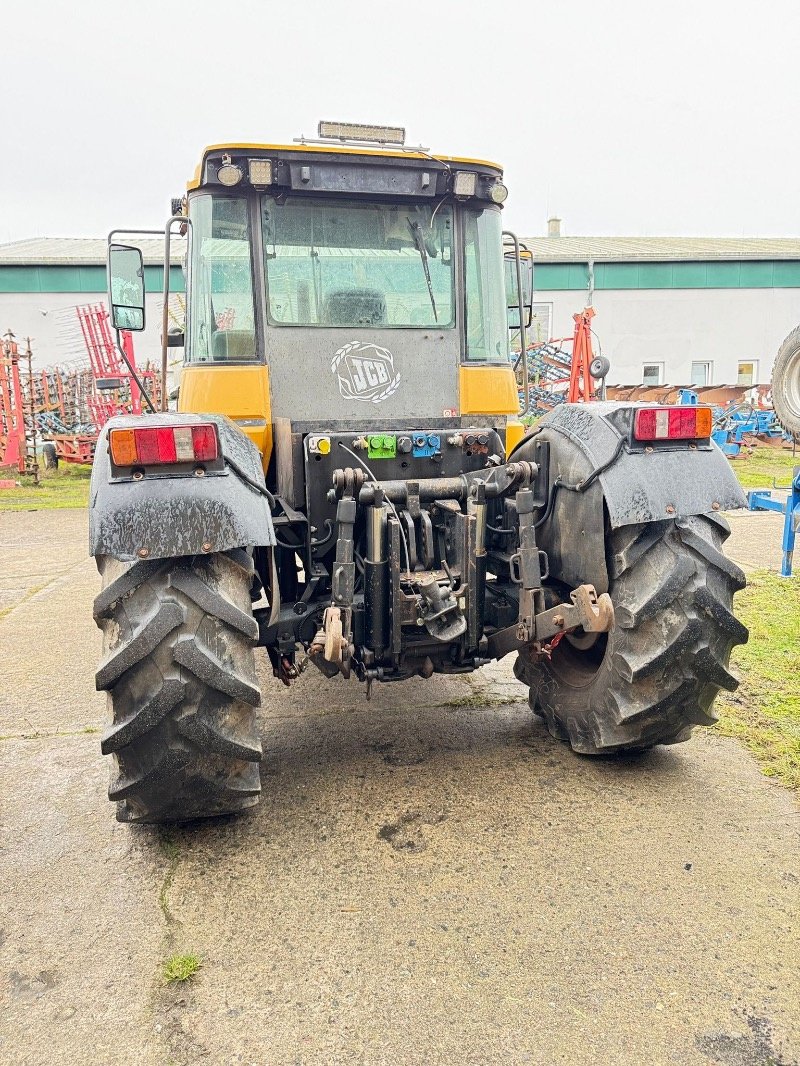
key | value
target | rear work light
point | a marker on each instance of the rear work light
(162, 445)
(672, 423)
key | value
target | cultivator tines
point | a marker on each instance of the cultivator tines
(69, 404)
(58, 399)
(115, 388)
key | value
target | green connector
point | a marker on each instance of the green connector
(381, 446)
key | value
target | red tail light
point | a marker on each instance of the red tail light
(162, 445)
(204, 442)
(672, 423)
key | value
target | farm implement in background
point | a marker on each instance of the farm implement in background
(786, 394)
(112, 390)
(13, 442)
(790, 509)
(565, 369)
(60, 410)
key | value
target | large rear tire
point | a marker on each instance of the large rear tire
(656, 674)
(179, 669)
(786, 383)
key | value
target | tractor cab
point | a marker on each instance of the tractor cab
(340, 284)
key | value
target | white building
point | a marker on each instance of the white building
(43, 280)
(669, 310)
(672, 310)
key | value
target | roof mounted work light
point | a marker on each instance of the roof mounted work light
(498, 193)
(464, 184)
(229, 173)
(260, 171)
(354, 131)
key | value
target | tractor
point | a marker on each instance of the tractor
(347, 484)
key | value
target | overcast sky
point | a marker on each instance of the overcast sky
(623, 118)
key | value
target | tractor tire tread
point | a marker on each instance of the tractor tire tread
(213, 602)
(667, 656)
(179, 670)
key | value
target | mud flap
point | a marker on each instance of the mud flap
(590, 446)
(157, 517)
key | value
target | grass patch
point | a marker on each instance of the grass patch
(764, 466)
(37, 735)
(764, 712)
(179, 968)
(67, 487)
(484, 698)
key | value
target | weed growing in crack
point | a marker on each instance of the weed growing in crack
(179, 968)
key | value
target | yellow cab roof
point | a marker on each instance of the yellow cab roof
(382, 150)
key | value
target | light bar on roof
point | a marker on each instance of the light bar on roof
(354, 131)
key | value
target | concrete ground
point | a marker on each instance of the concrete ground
(429, 878)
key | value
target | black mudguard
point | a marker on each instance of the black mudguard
(161, 517)
(633, 485)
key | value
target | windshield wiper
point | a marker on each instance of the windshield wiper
(419, 244)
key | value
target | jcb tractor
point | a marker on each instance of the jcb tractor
(346, 482)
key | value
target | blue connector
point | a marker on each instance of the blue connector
(425, 445)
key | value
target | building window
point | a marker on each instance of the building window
(747, 373)
(540, 329)
(701, 373)
(653, 374)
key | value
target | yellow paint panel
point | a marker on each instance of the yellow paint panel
(240, 392)
(488, 390)
(515, 431)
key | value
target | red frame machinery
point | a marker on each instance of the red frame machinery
(570, 368)
(115, 390)
(94, 396)
(13, 450)
(580, 381)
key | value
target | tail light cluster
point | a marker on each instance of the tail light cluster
(164, 444)
(672, 423)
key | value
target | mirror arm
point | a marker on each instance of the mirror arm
(165, 345)
(132, 372)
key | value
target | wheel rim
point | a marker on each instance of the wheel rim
(791, 384)
(577, 666)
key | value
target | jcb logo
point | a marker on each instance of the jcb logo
(365, 372)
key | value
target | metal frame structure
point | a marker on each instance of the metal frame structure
(764, 501)
(12, 409)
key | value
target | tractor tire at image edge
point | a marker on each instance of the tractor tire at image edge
(179, 669)
(786, 383)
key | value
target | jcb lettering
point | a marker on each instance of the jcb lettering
(367, 374)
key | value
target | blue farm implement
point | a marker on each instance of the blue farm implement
(764, 501)
(743, 426)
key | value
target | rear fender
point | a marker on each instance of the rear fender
(164, 516)
(636, 486)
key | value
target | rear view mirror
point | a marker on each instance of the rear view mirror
(126, 287)
(512, 296)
